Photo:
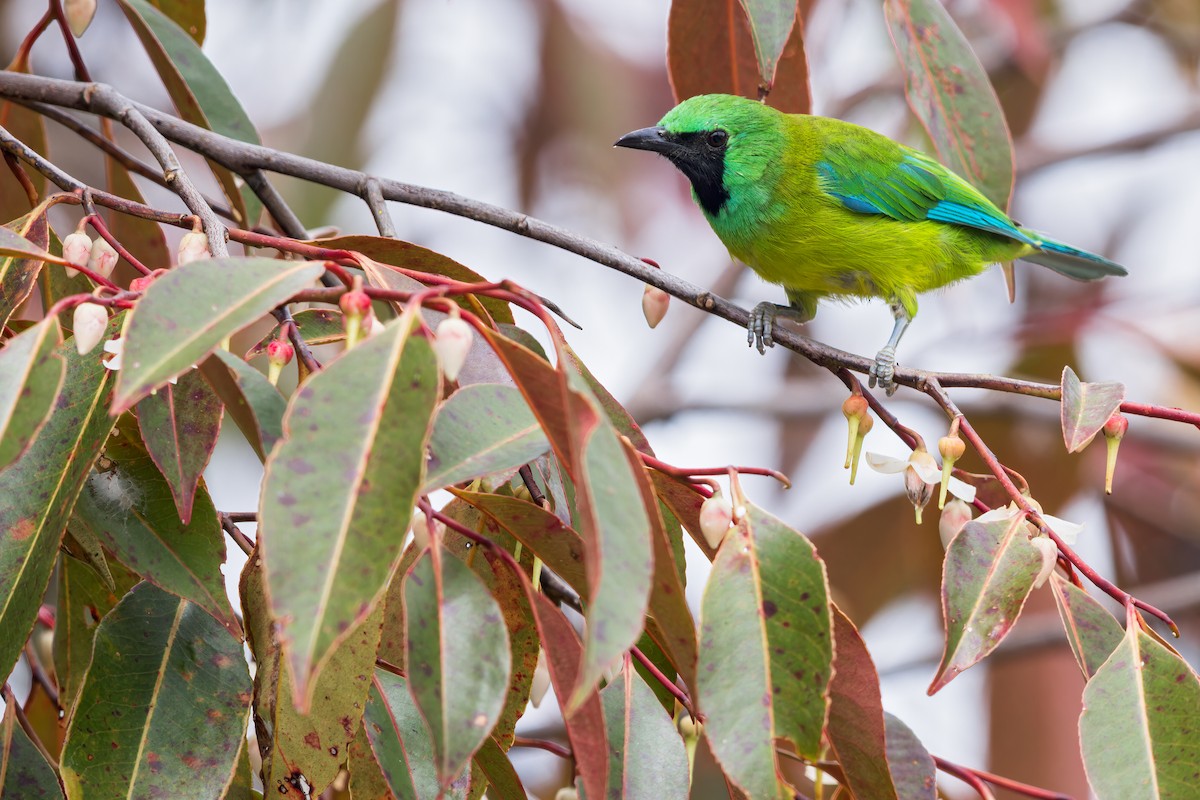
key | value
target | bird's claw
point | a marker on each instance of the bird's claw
(884, 370)
(760, 328)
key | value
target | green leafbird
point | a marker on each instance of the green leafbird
(827, 208)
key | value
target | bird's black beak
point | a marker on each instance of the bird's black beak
(654, 139)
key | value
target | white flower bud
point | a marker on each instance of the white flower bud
(567, 793)
(452, 342)
(716, 515)
(76, 249)
(192, 247)
(103, 258)
(541, 680)
(89, 323)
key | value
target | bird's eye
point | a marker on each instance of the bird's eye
(718, 138)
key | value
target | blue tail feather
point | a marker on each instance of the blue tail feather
(1071, 261)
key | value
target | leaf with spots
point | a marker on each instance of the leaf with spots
(949, 91)
(189, 310)
(180, 424)
(339, 490)
(479, 430)
(314, 744)
(255, 406)
(130, 509)
(1138, 727)
(766, 650)
(164, 705)
(1092, 631)
(989, 570)
(646, 756)
(24, 771)
(912, 768)
(771, 23)
(458, 657)
(31, 375)
(23, 244)
(503, 782)
(1085, 408)
(39, 490)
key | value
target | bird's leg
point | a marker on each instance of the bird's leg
(760, 330)
(884, 368)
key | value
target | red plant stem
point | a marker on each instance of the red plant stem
(474, 536)
(122, 300)
(18, 171)
(298, 344)
(1014, 786)
(235, 533)
(686, 473)
(1162, 412)
(97, 223)
(32, 36)
(943, 399)
(81, 70)
(668, 684)
(966, 776)
(541, 744)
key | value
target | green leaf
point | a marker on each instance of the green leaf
(179, 424)
(315, 325)
(711, 49)
(771, 22)
(339, 490)
(189, 310)
(481, 429)
(766, 650)
(24, 771)
(1138, 727)
(503, 781)
(646, 756)
(1085, 408)
(82, 543)
(39, 491)
(1092, 632)
(989, 571)
(83, 600)
(457, 655)
(130, 508)
(400, 741)
(912, 768)
(165, 703)
(22, 252)
(31, 375)
(312, 745)
(856, 729)
(366, 775)
(255, 405)
(585, 723)
(200, 94)
(949, 91)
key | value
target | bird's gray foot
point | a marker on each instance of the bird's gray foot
(884, 370)
(760, 329)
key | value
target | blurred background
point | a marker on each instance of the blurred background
(517, 102)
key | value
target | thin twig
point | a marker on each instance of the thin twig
(667, 683)
(373, 196)
(542, 744)
(235, 533)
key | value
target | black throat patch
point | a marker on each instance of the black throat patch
(704, 166)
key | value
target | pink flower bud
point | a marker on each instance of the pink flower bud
(192, 247)
(1116, 426)
(655, 303)
(76, 249)
(452, 343)
(89, 323)
(279, 354)
(355, 307)
(716, 515)
(79, 15)
(1114, 431)
(103, 258)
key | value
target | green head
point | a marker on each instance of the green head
(724, 144)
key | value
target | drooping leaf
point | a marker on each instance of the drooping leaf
(24, 771)
(766, 650)
(481, 429)
(198, 91)
(646, 756)
(339, 490)
(1138, 727)
(39, 491)
(771, 22)
(315, 325)
(189, 310)
(912, 768)
(130, 509)
(857, 730)
(710, 49)
(502, 778)
(83, 600)
(31, 375)
(457, 655)
(366, 775)
(949, 91)
(313, 746)
(1092, 632)
(254, 404)
(1085, 408)
(585, 723)
(179, 424)
(178, 685)
(989, 570)
(23, 244)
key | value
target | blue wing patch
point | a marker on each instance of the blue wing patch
(958, 214)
